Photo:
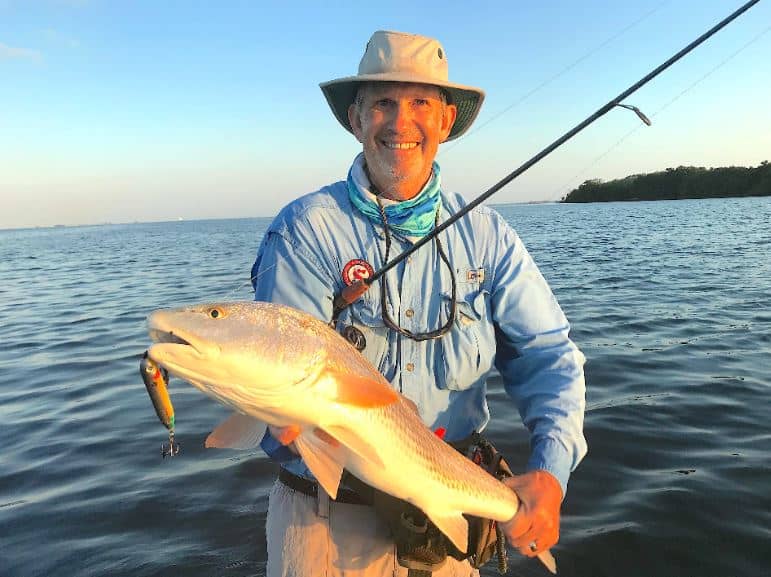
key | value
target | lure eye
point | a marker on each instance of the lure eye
(216, 313)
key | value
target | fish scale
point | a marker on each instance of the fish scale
(446, 475)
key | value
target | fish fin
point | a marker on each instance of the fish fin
(236, 432)
(361, 391)
(326, 437)
(454, 526)
(548, 560)
(355, 444)
(323, 459)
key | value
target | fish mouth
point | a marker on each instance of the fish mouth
(172, 343)
(161, 336)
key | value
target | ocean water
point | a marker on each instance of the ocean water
(668, 300)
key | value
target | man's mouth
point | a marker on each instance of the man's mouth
(399, 145)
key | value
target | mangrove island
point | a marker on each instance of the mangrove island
(678, 183)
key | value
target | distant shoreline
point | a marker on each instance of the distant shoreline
(683, 182)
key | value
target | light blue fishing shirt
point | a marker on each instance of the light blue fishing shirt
(507, 319)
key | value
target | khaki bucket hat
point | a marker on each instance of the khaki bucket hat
(400, 57)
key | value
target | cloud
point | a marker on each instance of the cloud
(12, 53)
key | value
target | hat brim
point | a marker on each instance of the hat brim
(340, 94)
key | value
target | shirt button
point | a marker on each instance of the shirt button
(410, 367)
(409, 313)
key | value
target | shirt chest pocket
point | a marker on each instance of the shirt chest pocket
(465, 355)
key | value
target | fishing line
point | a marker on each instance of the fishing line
(564, 187)
(548, 81)
(248, 281)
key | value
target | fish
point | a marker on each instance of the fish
(275, 365)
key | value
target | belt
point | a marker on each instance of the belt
(311, 488)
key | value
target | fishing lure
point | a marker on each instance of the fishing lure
(156, 381)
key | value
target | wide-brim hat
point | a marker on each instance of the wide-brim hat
(399, 57)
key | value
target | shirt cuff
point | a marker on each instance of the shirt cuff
(551, 456)
(275, 450)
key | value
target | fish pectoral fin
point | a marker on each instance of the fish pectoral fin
(454, 525)
(361, 391)
(355, 443)
(325, 460)
(236, 432)
(326, 437)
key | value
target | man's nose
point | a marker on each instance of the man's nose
(402, 117)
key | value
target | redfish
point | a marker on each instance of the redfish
(279, 366)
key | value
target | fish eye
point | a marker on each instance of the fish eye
(216, 313)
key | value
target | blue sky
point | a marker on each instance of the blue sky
(144, 111)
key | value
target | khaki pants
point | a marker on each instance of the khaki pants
(309, 537)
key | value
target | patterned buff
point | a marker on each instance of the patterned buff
(412, 218)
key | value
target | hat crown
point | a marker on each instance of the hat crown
(399, 53)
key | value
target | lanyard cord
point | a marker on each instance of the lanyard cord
(387, 320)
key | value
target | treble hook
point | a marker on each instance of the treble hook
(172, 449)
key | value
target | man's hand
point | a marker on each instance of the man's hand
(536, 526)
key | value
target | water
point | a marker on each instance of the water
(668, 300)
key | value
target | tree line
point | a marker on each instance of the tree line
(678, 183)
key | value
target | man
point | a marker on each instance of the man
(435, 326)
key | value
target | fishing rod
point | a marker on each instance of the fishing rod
(353, 292)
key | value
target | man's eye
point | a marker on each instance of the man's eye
(421, 102)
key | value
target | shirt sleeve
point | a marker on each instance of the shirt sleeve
(287, 273)
(542, 368)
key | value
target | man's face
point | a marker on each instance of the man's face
(400, 126)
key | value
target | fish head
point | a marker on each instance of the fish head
(233, 349)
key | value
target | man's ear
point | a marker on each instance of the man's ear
(355, 119)
(448, 120)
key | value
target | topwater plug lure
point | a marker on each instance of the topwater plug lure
(156, 380)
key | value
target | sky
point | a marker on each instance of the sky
(150, 111)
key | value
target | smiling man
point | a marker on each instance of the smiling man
(400, 126)
(435, 326)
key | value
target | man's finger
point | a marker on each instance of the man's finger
(528, 542)
(517, 526)
(536, 540)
